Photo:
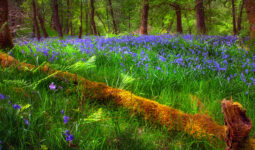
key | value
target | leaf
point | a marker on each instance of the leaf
(25, 107)
(44, 147)
(96, 116)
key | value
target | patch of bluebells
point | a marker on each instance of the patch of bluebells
(216, 54)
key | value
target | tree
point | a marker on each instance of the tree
(145, 13)
(239, 18)
(113, 18)
(5, 35)
(201, 29)
(68, 16)
(41, 20)
(234, 17)
(93, 17)
(56, 18)
(80, 33)
(250, 11)
(177, 8)
(37, 30)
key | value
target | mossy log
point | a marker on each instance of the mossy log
(234, 132)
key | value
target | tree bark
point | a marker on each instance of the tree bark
(201, 29)
(41, 20)
(5, 35)
(145, 13)
(80, 33)
(93, 17)
(113, 18)
(68, 16)
(56, 18)
(250, 11)
(239, 18)
(179, 18)
(33, 33)
(38, 35)
(234, 16)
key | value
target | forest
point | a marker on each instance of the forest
(127, 74)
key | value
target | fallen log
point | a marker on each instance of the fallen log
(234, 132)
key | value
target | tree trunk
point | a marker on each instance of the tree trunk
(113, 18)
(250, 11)
(93, 17)
(179, 18)
(80, 33)
(201, 29)
(56, 18)
(38, 35)
(41, 20)
(5, 35)
(68, 16)
(145, 13)
(239, 18)
(33, 33)
(234, 16)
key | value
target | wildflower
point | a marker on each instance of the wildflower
(2, 96)
(69, 137)
(62, 112)
(16, 106)
(26, 121)
(60, 87)
(0, 142)
(66, 119)
(246, 71)
(52, 86)
(158, 68)
(246, 93)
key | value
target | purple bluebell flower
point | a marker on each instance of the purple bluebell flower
(246, 71)
(16, 106)
(2, 96)
(246, 92)
(66, 119)
(52, 86)
(158, 68)
(62, 111)
(68, 136)
(26, 121)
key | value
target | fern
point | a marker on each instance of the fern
(126, 80)
(17, 83)
(82, 66)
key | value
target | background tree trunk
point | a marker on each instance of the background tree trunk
(93, 17)
(56, 18)
(5, 35)
(179, 18)
(68, 16)
(145, 12)
(113, 18)
(250, 11)
(234, 16)
(201, 29)
(41, 20)
(239, 18)
(38, 35)
(80, 33)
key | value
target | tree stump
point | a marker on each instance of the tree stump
(238, 125)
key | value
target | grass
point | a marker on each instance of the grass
(155, 67)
